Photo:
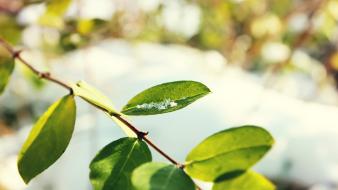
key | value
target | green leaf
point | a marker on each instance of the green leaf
(6, 69)
(234, 149)
(165, 98)
(248, 180)
(154, 175)
(96, 98)
(53, 17)
(113, 165)
(48, 139)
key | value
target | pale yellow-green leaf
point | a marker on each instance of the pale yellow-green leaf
(98, 99)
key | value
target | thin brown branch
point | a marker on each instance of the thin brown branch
(47, 76)
(44, 75)
(143, 135)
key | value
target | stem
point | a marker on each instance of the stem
(47, 76)
(143, 135)
(43, 75)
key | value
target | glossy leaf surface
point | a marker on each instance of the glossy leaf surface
(113, 165)
(234, 149)
(48, 139)
(165, 98)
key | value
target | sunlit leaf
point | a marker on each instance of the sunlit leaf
(96, 98)
(113, 165)
(6, 69)
(93, 96)
(153, 176)
(249, 180)
(165, 98)
(53, 17)
(48, 139)
(234, 149)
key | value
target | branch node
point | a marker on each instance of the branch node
(16, 54)
(141, 134)
(181, 166)
(44, 74)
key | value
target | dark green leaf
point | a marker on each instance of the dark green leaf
(6, 69)
(248, 180)
(165, 98)
(112, 166)
(235, 149)
(48, 139)
(155, 176)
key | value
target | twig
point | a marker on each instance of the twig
(44, 75)
(47, 76)
(143, 135)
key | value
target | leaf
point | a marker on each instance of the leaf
(165, 98)
(113, 165)
(154, 175)
(53, 17)
(96, 98)
(248, 180)
(48, 139)
(6, 69)
(234, 149)
(93, 96)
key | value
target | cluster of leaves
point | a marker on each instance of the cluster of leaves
(224, 158)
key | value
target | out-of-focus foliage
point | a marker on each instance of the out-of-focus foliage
(9, 29)
(258, 35)
(6, 68)
(53, 15)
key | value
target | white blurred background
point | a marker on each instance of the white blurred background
(298, 107)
